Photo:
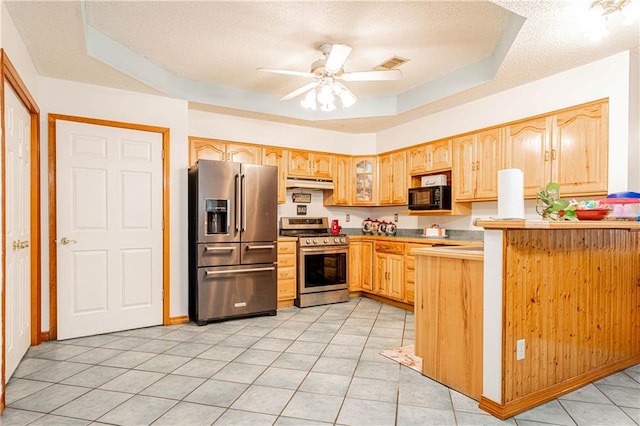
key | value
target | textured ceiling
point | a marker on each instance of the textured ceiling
(208, 52)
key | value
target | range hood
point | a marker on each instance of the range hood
(309, 183)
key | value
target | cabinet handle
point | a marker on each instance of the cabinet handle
(473, 166)
(553, 154)
(546, 156)
(477, 166)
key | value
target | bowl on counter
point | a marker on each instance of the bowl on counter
(592, 214)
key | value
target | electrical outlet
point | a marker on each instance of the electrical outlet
(395, 217)
(347, 218)
(519, 349)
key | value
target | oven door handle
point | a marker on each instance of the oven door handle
(324, 250)
(261, 247)
(237, 271)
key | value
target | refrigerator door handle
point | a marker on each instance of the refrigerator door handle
(237, 206)
(243, 189)
(261, 247)
(229, 248)
(237, 271)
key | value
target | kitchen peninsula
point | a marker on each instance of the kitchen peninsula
(560, 308)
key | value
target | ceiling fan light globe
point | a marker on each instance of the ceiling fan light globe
(347, 98)
(324, 95)
(309, 100)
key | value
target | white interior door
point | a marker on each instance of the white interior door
(109, 228)
(18, 254)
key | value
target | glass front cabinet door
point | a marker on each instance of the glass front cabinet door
(365, 169)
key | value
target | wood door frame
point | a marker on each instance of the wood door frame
(53, 247)
(10, 75)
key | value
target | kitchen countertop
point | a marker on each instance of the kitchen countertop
(548, 224)
(458, 252)
(452, 241)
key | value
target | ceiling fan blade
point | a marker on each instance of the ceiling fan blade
(300, 91)
(371, 75)
(287, 72)
(337, 56)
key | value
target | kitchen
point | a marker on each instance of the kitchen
(78, 99)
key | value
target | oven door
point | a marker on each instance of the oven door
(322, 269)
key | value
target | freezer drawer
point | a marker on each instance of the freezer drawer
(233, 291)
(218, 254)
(259, 252)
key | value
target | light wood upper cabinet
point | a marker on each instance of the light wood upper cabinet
(365, 174)
(527, 148)
(570, 147)
(417, 159)
(341, 194)
(392, 182)
(310, 164)
(214, 149)
(272, 156)
(439, 155)
(243, 153)
(429, 157)
(580, 147)
(206, 149)
(299, 163)
(476, 161)
(322, 165)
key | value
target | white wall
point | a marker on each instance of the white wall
(65, 97)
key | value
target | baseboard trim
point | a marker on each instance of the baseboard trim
(391, 302)
(183, 319)
(285, 303)
(45, 336)
(510, 409)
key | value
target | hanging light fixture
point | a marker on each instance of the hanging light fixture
(325, 93)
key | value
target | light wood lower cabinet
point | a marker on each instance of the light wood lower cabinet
(360, 266)
(448, 316)
(388, 274)
(410, 271)
(286, 273)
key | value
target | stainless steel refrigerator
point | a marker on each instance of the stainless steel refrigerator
(233, 232)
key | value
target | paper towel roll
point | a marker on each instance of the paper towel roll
(510, 194)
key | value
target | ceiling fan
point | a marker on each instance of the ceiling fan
(326, 71)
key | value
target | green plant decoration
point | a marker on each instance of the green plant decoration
(549, 205)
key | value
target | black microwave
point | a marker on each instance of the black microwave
(430, 198)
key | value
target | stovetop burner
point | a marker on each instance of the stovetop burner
(311, 231)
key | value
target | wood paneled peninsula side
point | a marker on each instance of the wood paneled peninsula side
(561, 308)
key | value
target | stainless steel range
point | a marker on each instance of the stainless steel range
(322, 261)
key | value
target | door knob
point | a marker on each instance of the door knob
(15, 245)
(65, 241)
(24, 244)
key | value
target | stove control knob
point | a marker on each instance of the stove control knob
(315, 241)
(326, 240)
(336, 240)
(343, 240)
(308, 241)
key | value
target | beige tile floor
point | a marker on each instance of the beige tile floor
(312, 366)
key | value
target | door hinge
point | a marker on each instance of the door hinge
(162, 154)
(163, 224)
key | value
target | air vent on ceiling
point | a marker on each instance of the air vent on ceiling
(392, 63)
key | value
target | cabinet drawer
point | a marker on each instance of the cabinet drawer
(286, 261)
(286, 248)
(389, 247)
(286, 289)
(410, 263)
(410, 276)
(286, 273)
